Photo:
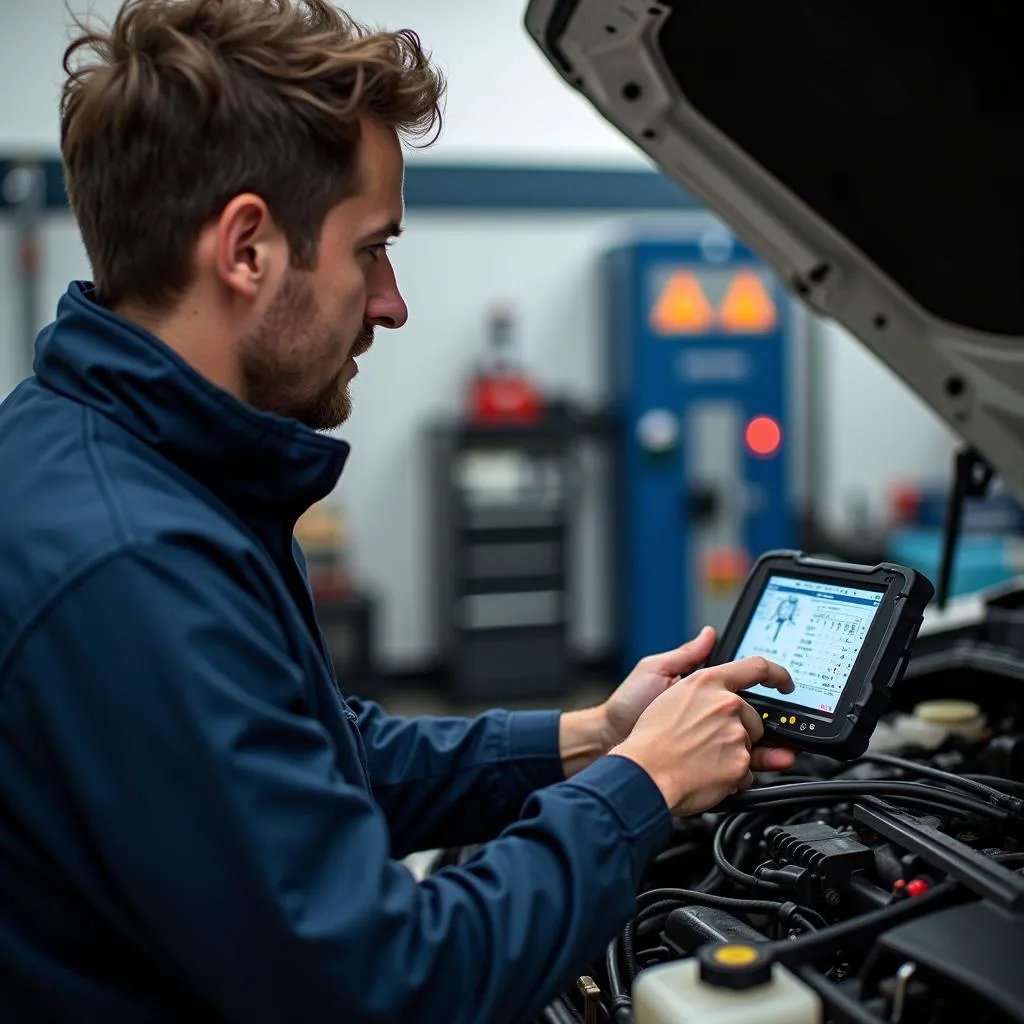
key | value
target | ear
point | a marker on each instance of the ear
(248, 245)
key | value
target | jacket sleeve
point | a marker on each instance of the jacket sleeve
(452, 781)
(219, 834)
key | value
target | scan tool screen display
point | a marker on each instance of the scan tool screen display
(815, 631)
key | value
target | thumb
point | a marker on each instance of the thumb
(690, 656)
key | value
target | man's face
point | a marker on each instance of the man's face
(300, 359)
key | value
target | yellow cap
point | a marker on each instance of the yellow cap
(735, 956)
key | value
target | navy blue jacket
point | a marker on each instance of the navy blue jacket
(194, 824)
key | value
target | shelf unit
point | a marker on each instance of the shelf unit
(503, 514)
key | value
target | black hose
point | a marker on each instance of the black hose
(803, 922)
(710, 881)
(648, 900)
(656, 955)
(677, 851)
(722, 836)
(621, 1003)
(655, 922)
(849, 789)
(574, 1016)
(556, 1014)
(1009, 803)
(1003, 785)
(815, 802)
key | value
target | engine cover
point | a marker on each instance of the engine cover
(970, 952)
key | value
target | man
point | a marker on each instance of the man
(194, 824)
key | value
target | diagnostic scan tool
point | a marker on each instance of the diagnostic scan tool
(843, 632)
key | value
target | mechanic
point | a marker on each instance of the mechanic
(194, 825)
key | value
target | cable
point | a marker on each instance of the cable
(655, 955)
(814, 802)
(710, 881)
(910, 792)
(556, 1013)
(804, 924)
(677, 851)
(813, 916)
(648, 899)
(724, 833)
(1009, 803)
(648, 925)
(621, 1003)
(573, 1015)
(1004, 785)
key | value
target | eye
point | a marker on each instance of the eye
(376, 252)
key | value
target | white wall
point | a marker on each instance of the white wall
(505, 107)
(505, 104)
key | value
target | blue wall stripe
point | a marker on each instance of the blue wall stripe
(541, 188)
(525, 189)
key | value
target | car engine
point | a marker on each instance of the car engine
(886, 889)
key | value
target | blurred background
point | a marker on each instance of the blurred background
(603, 407)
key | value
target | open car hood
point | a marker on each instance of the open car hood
(865, 155)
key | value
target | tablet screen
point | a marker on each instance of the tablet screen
(814, 630)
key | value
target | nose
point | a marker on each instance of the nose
(385, 306)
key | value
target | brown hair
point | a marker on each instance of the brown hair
(185, 104)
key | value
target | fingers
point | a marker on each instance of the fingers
(772, 759)
(689, 657)
(752, 722)
(738, 675)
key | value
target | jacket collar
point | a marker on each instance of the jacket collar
(243, 455)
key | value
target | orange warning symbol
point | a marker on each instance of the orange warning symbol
(683, 308)
(747, 307)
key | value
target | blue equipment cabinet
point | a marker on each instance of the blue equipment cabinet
(698, 339)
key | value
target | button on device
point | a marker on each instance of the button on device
(803, 727)
(783, 719)
(765, 716)
(792, 719)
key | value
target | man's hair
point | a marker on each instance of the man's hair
(181, 105)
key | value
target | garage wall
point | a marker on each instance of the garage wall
(505, 104)
(505, 108)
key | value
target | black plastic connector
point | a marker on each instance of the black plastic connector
(826, 853)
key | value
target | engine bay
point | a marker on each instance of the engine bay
(889, 888)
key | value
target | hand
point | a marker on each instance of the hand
(584, 736)
(695, 740)
(652, 676)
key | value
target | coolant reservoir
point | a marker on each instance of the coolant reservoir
(724, 984)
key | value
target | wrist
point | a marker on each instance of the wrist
(663, 780)
(583, 737)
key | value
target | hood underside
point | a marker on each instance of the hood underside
(865, 153)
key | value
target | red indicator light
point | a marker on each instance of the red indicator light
(764, 436)
(918, 887)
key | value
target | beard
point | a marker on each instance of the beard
(283, 360)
